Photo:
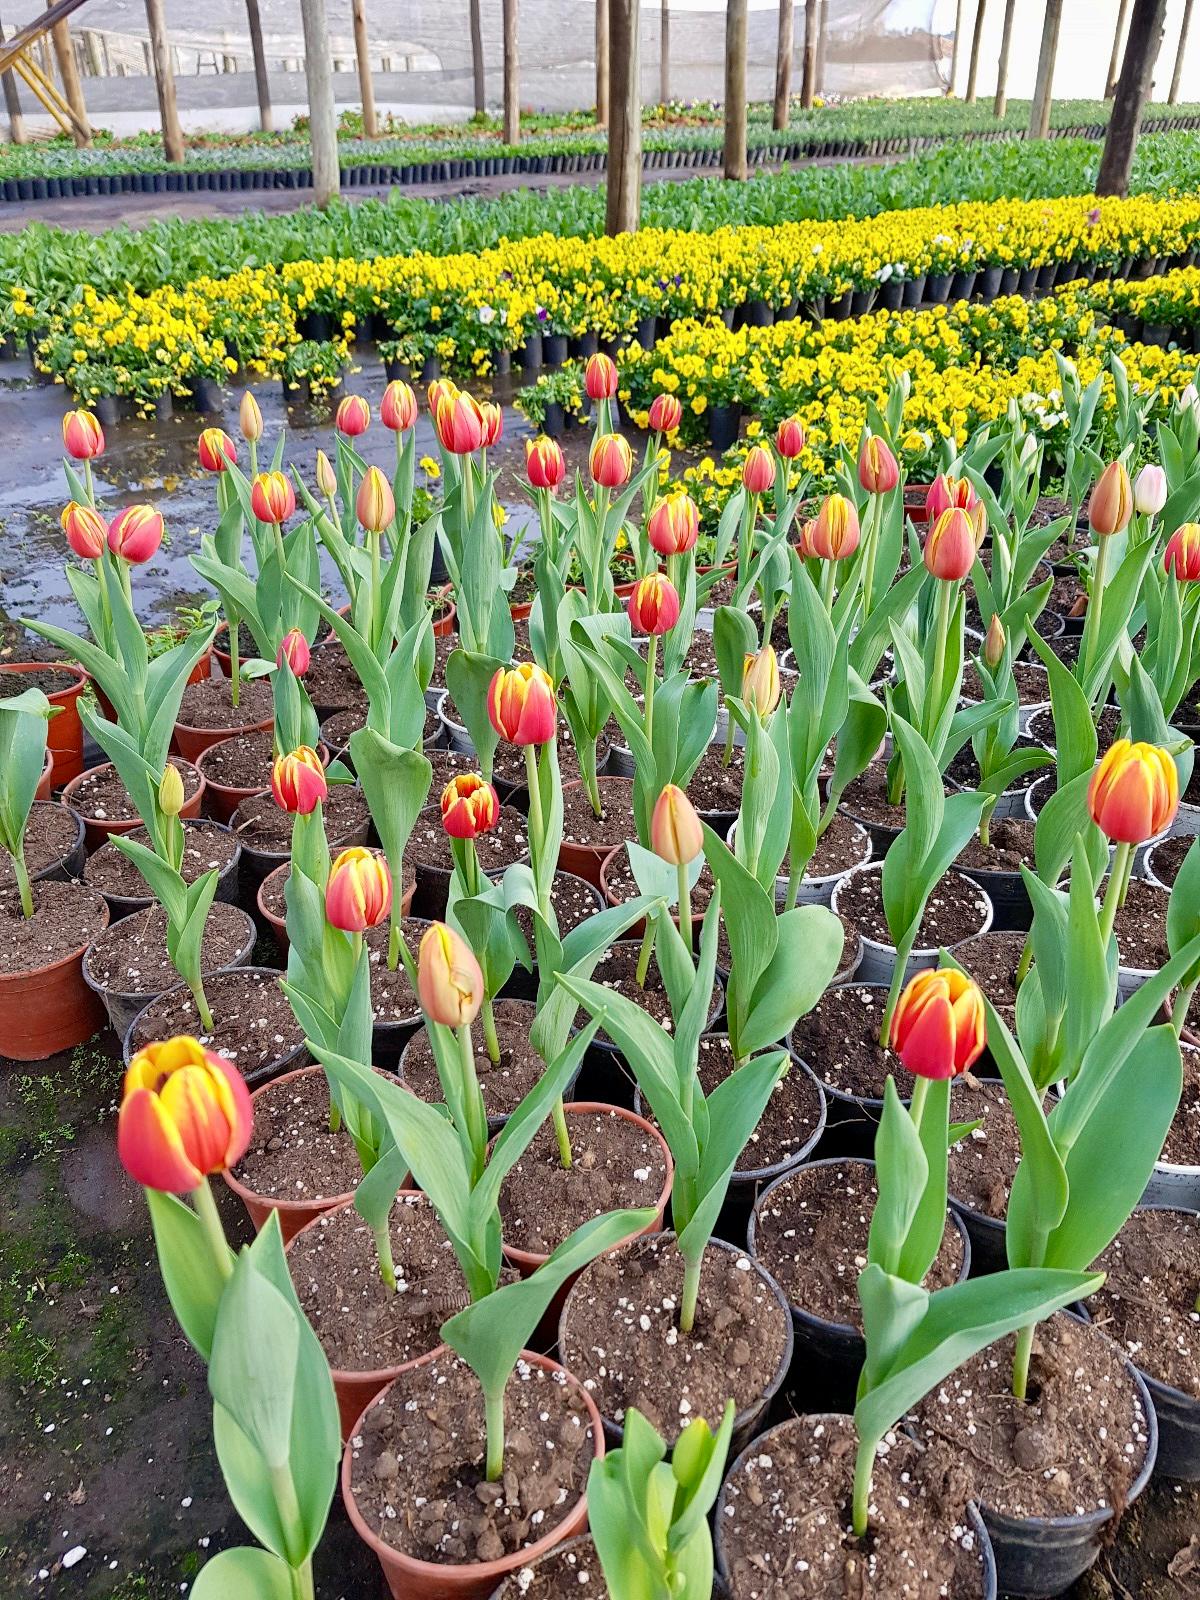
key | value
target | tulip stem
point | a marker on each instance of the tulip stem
(685, 904)
(559, 1115)
(537, 828)
(1183, 1001)
(863, 1468)
(393, 956)
(493, 1405)
(472, 1098)
(21, 874)
(1025, 963)
(302, 1582)
(643, 964)
(691, 1293)
(1112, 894)
(235, 663)
(88, 483)
(872, 543)
(210, 1217)
(1091, 626)
(203, 1008)
(376, 591)
(894, 989)
(651, 664)
(383, 1249)
(826, 590)
(1021, 1355)
(933, 689)
(291, 1520)
(916, 1105)
(489, 1031)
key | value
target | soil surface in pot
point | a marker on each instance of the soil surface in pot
(449, 764)
(262, 825)
(572, 1569)
(1148, 1302)
(981, 1166)
(50, 835)
(331, 680)
(581, 825)
(839, 1039)
(205, 845)
(789, 1515)
(1168, 856)
(1032, 681)
(294, 1155)
(65, 917)
(209, 704)
(1108, 723)
(101, 795)
(621, 1338)
(1141, 926)
(253, 1024)
(507, 842)
(336, 730)
(50, 680)
(1183, 1141)
(617, 969)
(1075, 1446)
(243, 762)
(130, 956)
(811, 1236)
(955, 910)
(839, 848)
(509, 763)
(363, 1325)
(418, 1462)
(790, 1118)
(574, 900)
(866, 798)
(964, 769)
(504, 1084)
(714, 786)
(1010, 844)
(615, 1165)
(992, 960)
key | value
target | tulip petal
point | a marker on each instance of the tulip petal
(150, 1147)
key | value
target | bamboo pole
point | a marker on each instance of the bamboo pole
(1114, 60)
(512, 70)
(735, 89)
(1133, 86)
(958, 21)
(1043, 89)
(362, 52)
(976, 42)
(1000, 103)
(164, 79)
(68, 72)
(783, 64)
(322, 113)
(262, 83)
(1185, 24)
(624, 198)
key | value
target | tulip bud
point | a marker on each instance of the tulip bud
(135, 534)
(375, 506)
(83, 437)
(521, 704)
(215, 450)
(493, 423)
(674, 525)
(666, 414)
(1181, 558)
(544, 463)
(353, 416)
(835, 532)
(804, 540)
(185, 1113)
(1111, 503)
(358, 894)
(600, 377)
(950, 545)
(878, 471)
(470, 806)
(946, 493)
(611, 461)
(939, 1027)
(1150, 491)
(676, 835)
(760, 681)
(326, 477)
(460, 423)
(398, 408)
(170, 791)
(789, 438)
(758, 470)
(449, 982)
(1134, 792)
(298, 781)
(250, 418)
(272, 498)
(653, 606)
(86, 530)
(294, 649)
(994, 642)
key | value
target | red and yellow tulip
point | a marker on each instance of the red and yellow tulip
(939, 1027)
(185, 1113)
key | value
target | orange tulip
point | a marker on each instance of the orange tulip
(789, 438)
(758, 470)
(86, 530)
(666, 413)
(1134, 792)
(272, 497)
(470, 806)
(250, 418)
(298, 781)
(83, 437)
(878, 471)
(375, 506)
(135, 534)
(939, 1027)
(946, 493)
(398, 408)
(544, 463)
(674, 525)
(185, 1113)
(760, 681)
(1111, 503)
(835, 532)
(600, 377)
(460, 423)
(653, 606)
(215, 449)
(294, 649)
(949, 551)
(449, 982)
(521, 704)
(353, 416)
(611, 461)
(1181, 558)
(358, 894)
(676, 835)
(804, 540)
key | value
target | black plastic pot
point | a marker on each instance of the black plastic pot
(71, 864)
(257, 865)
(914, 290)
(554, 420)
(723, 425)
(296, 1057)
(554, 349)
(108, 410)
(937, 287)
(227, 884)
(1010, 280)
(987, 282)
(1011, 908)
(1027, 280)
(646, 332)
(891, 296)
(207, 395)
(529, 356)
(839, 309)
(962, 285)
(861, 301)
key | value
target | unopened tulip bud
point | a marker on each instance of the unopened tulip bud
(493, 423)
(298, 781)
(1134, 792)
(86, 530)
(949, 551)
(1181, 558)
(544, 463)
(83, 437)
(521, 704)
(185, 1113)
(470, 806)
(676, 835)
(135, 534)
(250, 419)
(600, 377)
(1150, 491)
(760, 681)
(170, 791)
(789, 438)
(272, 498)
(294, 649)
(835, 532)
(375, 506)
(666, 413)
(398, 408)
(674, 525)
(994, 642)
(939, 1028)
(326, 477)
(353, 416)
(1111, 503)
(653, 605)
(449, 982)
(878, 471)
(947, 493)
(358, 894)
(758, 470)
(611, 461)
(215, 450)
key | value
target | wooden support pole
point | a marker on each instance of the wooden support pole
(822, 46)
(362, 52)
(976, 42)
(12, 104)
(1133, 86)
(1000, 103)
(262, 83)
(808, 78)
(322, 113)
(1184, 25)
(1043, 89)
(783, 64)
(624, 196)
(958, 22)
(602, 60)
(735, 89)
(164, 79)
(1114, 60)
(664, 51)
(512, 73)
(477, 70)
(68, 72)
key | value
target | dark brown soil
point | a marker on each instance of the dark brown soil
(1063, 1452)
(1148, 1302)
(571, 1569)
(617, 969)
(1010, 843)
(294, 1155)
(620, 1334)
(811, 1236)
(130, 956)
(209, 704)
(50, 680)
(1108, 723)
(243, 762)
(336, 730)
(982, 1166)
(574, 900)
(205, 845)
(851, 949)
(843, 845)
(332, 682)
(715, 787)
(1183, 1142)
(508, 765)
(1031, 679)
(615, 1165)
(581, 824)
(964, 769)
(364, 1326)
(253, 1024)
(449, 764)
(788, 1534)
(790, 1119)
(1168, 856)
(839, 1039)
(507, 842)
(66, 916)
(263, 826)
(866, 798)
(504, 1085)
(701, 658)
(100, 794)
(418, 1462)
(956, 909)
(1141, 926)
(992, 960)
(51, 834)
(392, 999)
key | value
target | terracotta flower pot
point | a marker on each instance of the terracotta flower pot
(99, 829)
(64, 736)
(42, 792)
(411, 1579)
(447, 615)
(586, 860)
(49, 1008)
(191, 743)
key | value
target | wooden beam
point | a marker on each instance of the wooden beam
(512, 73)
(958, 22)
(12, 104)
(1043, 89)
(664, 51)
(808, 79)
(602, 59)
(976, 41)
(624, 196)
(735, 89)
(164, 80)
(262, 82)
(1000, 103)
(1185, 24)
(478, 74)
(68, 72)
(1114, 60)
(783, 64)
(1133, 86)
(322, 113)
(362, 54)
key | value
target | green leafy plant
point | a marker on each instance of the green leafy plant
(23, 720)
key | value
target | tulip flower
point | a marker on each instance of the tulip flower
(878, 471)
(470, 806)
(760, 681)
(949, 551)
(666, 413)
(86, 530)
(1134, 792)
(185, 1113)
(398, 408)
(1150, 491)
(298, 781)
(677, 837)
(171, 797)
(653, 606)
(83, 437)
(1181, 558)
(600, 377)
(947, 493)
(375, 506)
(1111, 504)
(353, 416)
(521, 704)
(294, 649)
(358, 894)
(493, 423)
(758, 470)
(610, 461)
(939, 1026)
(804, 539)
(449, 981)
(272, 498)
(326, 477)
(135, 534)
(544, 463)
(835, 532)
(673, 527)
(789, 438)
(250, 419)
(215, 450)
(459, 423)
